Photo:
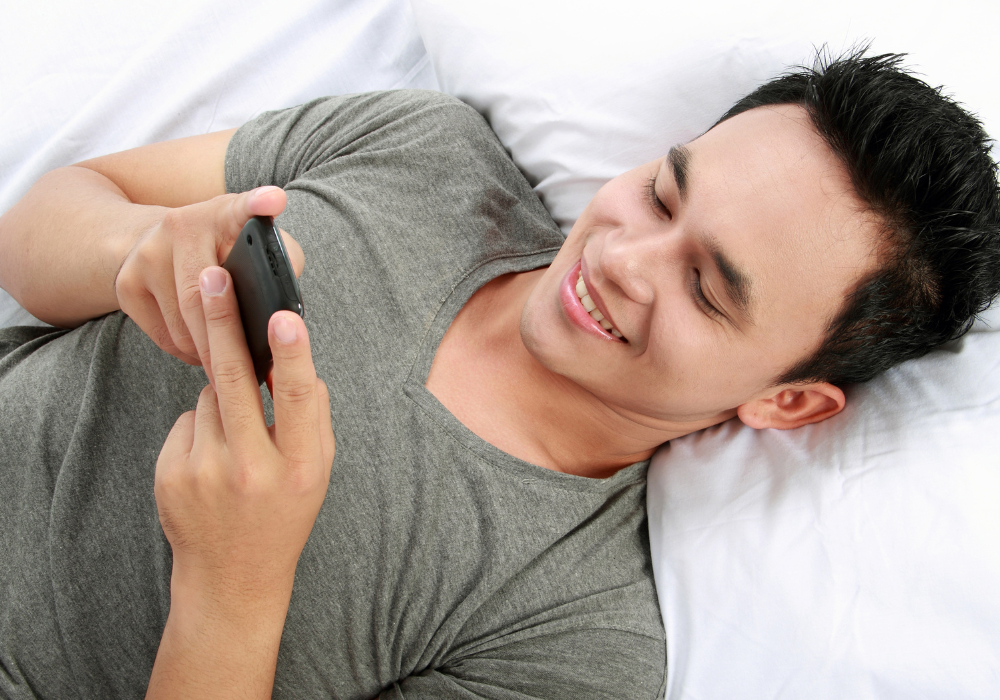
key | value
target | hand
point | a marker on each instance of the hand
(237, 499)
(157, 285)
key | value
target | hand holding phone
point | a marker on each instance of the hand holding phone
(264, 282)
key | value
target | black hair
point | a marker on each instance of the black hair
(922, 164)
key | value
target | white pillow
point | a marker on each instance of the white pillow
(853, 559)
(856, 558)
(582, 90)
(82, 79)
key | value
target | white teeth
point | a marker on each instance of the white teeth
(591, 307)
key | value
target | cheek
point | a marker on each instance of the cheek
(696, 355)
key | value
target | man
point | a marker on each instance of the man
(834, 223)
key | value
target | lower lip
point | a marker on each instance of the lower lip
(574, 307)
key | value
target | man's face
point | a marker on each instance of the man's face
(721, 265)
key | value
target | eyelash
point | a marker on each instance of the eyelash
(654, 201)
(699, 296)
(696, 290)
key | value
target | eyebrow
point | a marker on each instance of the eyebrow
(736, 281)
(680, 158)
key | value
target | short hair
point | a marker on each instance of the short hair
(922, 164)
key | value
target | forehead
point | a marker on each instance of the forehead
(778, 202)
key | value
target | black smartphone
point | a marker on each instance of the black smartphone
(264, 282)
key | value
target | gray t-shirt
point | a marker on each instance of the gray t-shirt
(439, 566)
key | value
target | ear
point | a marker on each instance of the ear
(793, 407)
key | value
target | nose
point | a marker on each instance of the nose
(632, 258)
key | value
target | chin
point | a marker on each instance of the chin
(543, 336)
(532, 335)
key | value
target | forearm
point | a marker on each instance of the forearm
(62, 245)
(218, 646)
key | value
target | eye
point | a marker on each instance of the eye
(654, 201)
(699, 296)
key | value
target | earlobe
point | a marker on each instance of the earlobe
(793, 407)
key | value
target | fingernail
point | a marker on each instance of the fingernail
(254, 194)
(285, 330)
(213, 281)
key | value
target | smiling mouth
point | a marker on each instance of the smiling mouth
(591, 307)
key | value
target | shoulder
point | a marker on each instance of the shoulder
(394, 128)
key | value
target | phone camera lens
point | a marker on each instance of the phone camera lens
(249, 239)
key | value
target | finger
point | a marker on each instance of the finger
(179, 441)
(171, 312)
(145, 312)
(208, 431)
(143, 301)
(196, 249)
(295, 254)
(236, 210)
(294, 388)
(238, 393)
(189, 262)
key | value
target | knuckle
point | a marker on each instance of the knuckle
(180, 226)
(126, 281)
(172, 219)
(167, 479)
(145, 255)
(178, 329)
(241, 478)
(221, 314)
(233, 211)
(231, 372)
(242, 421)
(161, 336)
(207, 394)
(322, 391)
(296, 390)
(189, 293)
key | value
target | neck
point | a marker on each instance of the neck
(485, 376)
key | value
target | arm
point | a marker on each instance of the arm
(63, 243)
(237, 501)
(131, 231)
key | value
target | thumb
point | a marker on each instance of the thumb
(237, 209)
(263, 201)
(271, 201)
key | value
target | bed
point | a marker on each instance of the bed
(855, 558)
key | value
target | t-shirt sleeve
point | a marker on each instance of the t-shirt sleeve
(278, 147)
(570, 664)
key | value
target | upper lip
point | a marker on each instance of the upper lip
(596, 296)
